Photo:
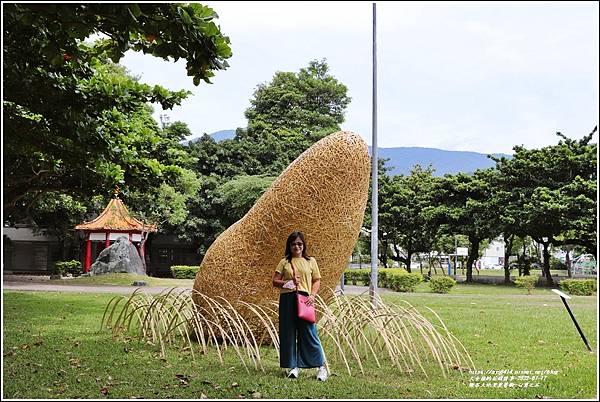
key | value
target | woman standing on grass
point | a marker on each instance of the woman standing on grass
(300, 346)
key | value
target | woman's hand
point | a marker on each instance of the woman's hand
(311, 300)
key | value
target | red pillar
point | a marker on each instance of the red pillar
(107, 242)
(88, 255)
(142, 250)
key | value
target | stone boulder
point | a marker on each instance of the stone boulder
(121, 256)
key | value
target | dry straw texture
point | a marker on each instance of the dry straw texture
(351, 331)
(323, 193)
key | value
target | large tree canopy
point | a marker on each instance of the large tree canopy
(74, 121)
(464, 203)
(550, 193)
(402, 200)
(288, 115)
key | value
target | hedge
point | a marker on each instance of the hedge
(441, 284)
(403, 281)
(578, 287)
(72, 267)
(184, 271)
(357, 276)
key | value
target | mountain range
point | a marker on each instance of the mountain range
(402, 159)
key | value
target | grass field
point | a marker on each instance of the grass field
(53, 349)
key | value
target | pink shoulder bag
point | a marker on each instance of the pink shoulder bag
(305, 312)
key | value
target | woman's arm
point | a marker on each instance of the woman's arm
(316, 284)
(277, 280)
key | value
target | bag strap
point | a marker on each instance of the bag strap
(294, 274)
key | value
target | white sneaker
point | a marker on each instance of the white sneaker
(293, 373)
(322, 373)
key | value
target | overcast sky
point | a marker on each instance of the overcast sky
(458, 76)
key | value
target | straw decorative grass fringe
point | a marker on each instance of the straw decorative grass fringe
(351, 331)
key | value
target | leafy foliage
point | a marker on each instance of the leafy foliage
(404, 281)
(464, 204)
(402, 218)
(550, 194)
(528, 282)
(86, 121)
(239, 194)
(72, 267)
(579, 287)
(288, 115)
(441, 284)
(184, 271)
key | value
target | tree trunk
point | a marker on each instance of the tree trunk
(508, 242)
(473, 253)
(408, 259)
(546, 265)
(568, 262)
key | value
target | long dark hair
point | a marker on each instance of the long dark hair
(288, 246)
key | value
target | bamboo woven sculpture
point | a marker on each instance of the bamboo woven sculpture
(323, 194)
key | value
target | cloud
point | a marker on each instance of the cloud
(480, 77)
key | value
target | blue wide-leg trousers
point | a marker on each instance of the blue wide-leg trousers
(299, 344)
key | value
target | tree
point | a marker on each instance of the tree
(239, 194)
(56, 215)
(401, 203)
(288, 115)
(552, 193)
(64, 102)
(463, 203)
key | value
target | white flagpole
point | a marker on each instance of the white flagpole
(374, 204)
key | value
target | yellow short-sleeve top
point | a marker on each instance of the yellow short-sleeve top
(307, 270)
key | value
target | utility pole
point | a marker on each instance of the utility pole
(374, 205)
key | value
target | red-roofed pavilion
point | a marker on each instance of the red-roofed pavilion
(114, 222)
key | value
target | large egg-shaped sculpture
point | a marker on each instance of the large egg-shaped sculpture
(323, 194)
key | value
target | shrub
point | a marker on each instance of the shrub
(441, 284)
(72, 267)
(357, 276)
(528, 282)
(383, 276)
(403, 281)
(184, 271)
(578, 287)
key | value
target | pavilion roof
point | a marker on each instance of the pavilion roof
(116, 217)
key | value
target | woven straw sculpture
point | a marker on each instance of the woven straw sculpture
(323, 194)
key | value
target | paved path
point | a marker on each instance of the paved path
(44, 284)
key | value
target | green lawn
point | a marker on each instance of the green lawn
(53, 349)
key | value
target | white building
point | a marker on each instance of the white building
(493, 256)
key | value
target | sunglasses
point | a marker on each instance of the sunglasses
(297, 244)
